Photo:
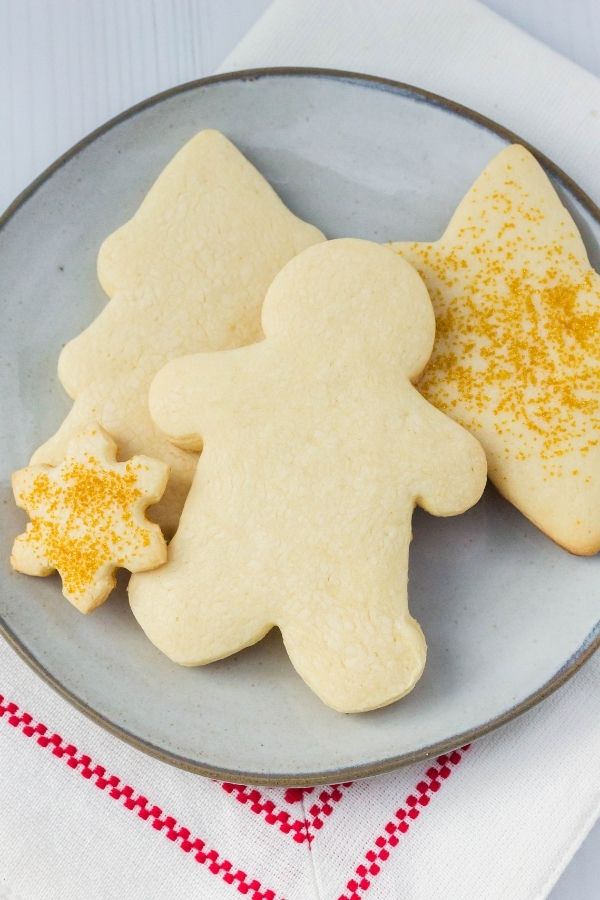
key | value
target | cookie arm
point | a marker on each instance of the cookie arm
(454, 469)
(196, 394)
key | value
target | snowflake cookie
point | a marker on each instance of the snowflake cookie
(87, 517)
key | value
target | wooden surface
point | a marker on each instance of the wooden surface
(68, 65)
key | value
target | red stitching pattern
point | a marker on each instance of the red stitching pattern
(135, 802)
(323, 808)
(403, 818)
(296, 795)
(272, 815)
(364, 873)
(301, 830)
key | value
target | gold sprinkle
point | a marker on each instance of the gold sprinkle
(525, 346)
(74, 524)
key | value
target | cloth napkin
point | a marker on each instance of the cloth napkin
(85, 815)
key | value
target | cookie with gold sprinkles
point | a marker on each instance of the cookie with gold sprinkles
(517, 353)
(88, 517)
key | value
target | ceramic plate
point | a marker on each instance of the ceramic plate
(508, 615)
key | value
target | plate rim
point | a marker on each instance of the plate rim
(353, 772)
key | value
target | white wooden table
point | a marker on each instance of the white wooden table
(67, 65)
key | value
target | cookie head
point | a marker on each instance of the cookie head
(340, 289)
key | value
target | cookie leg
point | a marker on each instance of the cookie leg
(191, 625)
(357, 660)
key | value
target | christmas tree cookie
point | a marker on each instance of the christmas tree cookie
(188, 272)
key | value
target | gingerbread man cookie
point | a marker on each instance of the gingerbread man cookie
(87, 518)
(188, 272)
(316, 448)
(517, 352)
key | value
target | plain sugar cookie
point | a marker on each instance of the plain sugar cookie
(517, 353)
(316, 449)
(188, 272)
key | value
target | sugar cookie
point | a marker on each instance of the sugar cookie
(316, 449)
(87, 517)
(188, 272)
(517, 353)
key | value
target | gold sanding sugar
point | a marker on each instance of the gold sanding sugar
(84, 520)
(523, 345)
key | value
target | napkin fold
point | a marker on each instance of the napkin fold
(457, 48)
(84, 814)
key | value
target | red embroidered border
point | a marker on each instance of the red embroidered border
(403, 818)
(364, 873)
(132, 800)
(300, 830)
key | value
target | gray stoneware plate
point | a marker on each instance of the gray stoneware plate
(507, 614)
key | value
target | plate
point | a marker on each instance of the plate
(508, 615)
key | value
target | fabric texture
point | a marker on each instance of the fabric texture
(84, 814)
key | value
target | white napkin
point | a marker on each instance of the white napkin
(456, 48)
(84, 815)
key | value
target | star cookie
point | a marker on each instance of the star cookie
(517, 352)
